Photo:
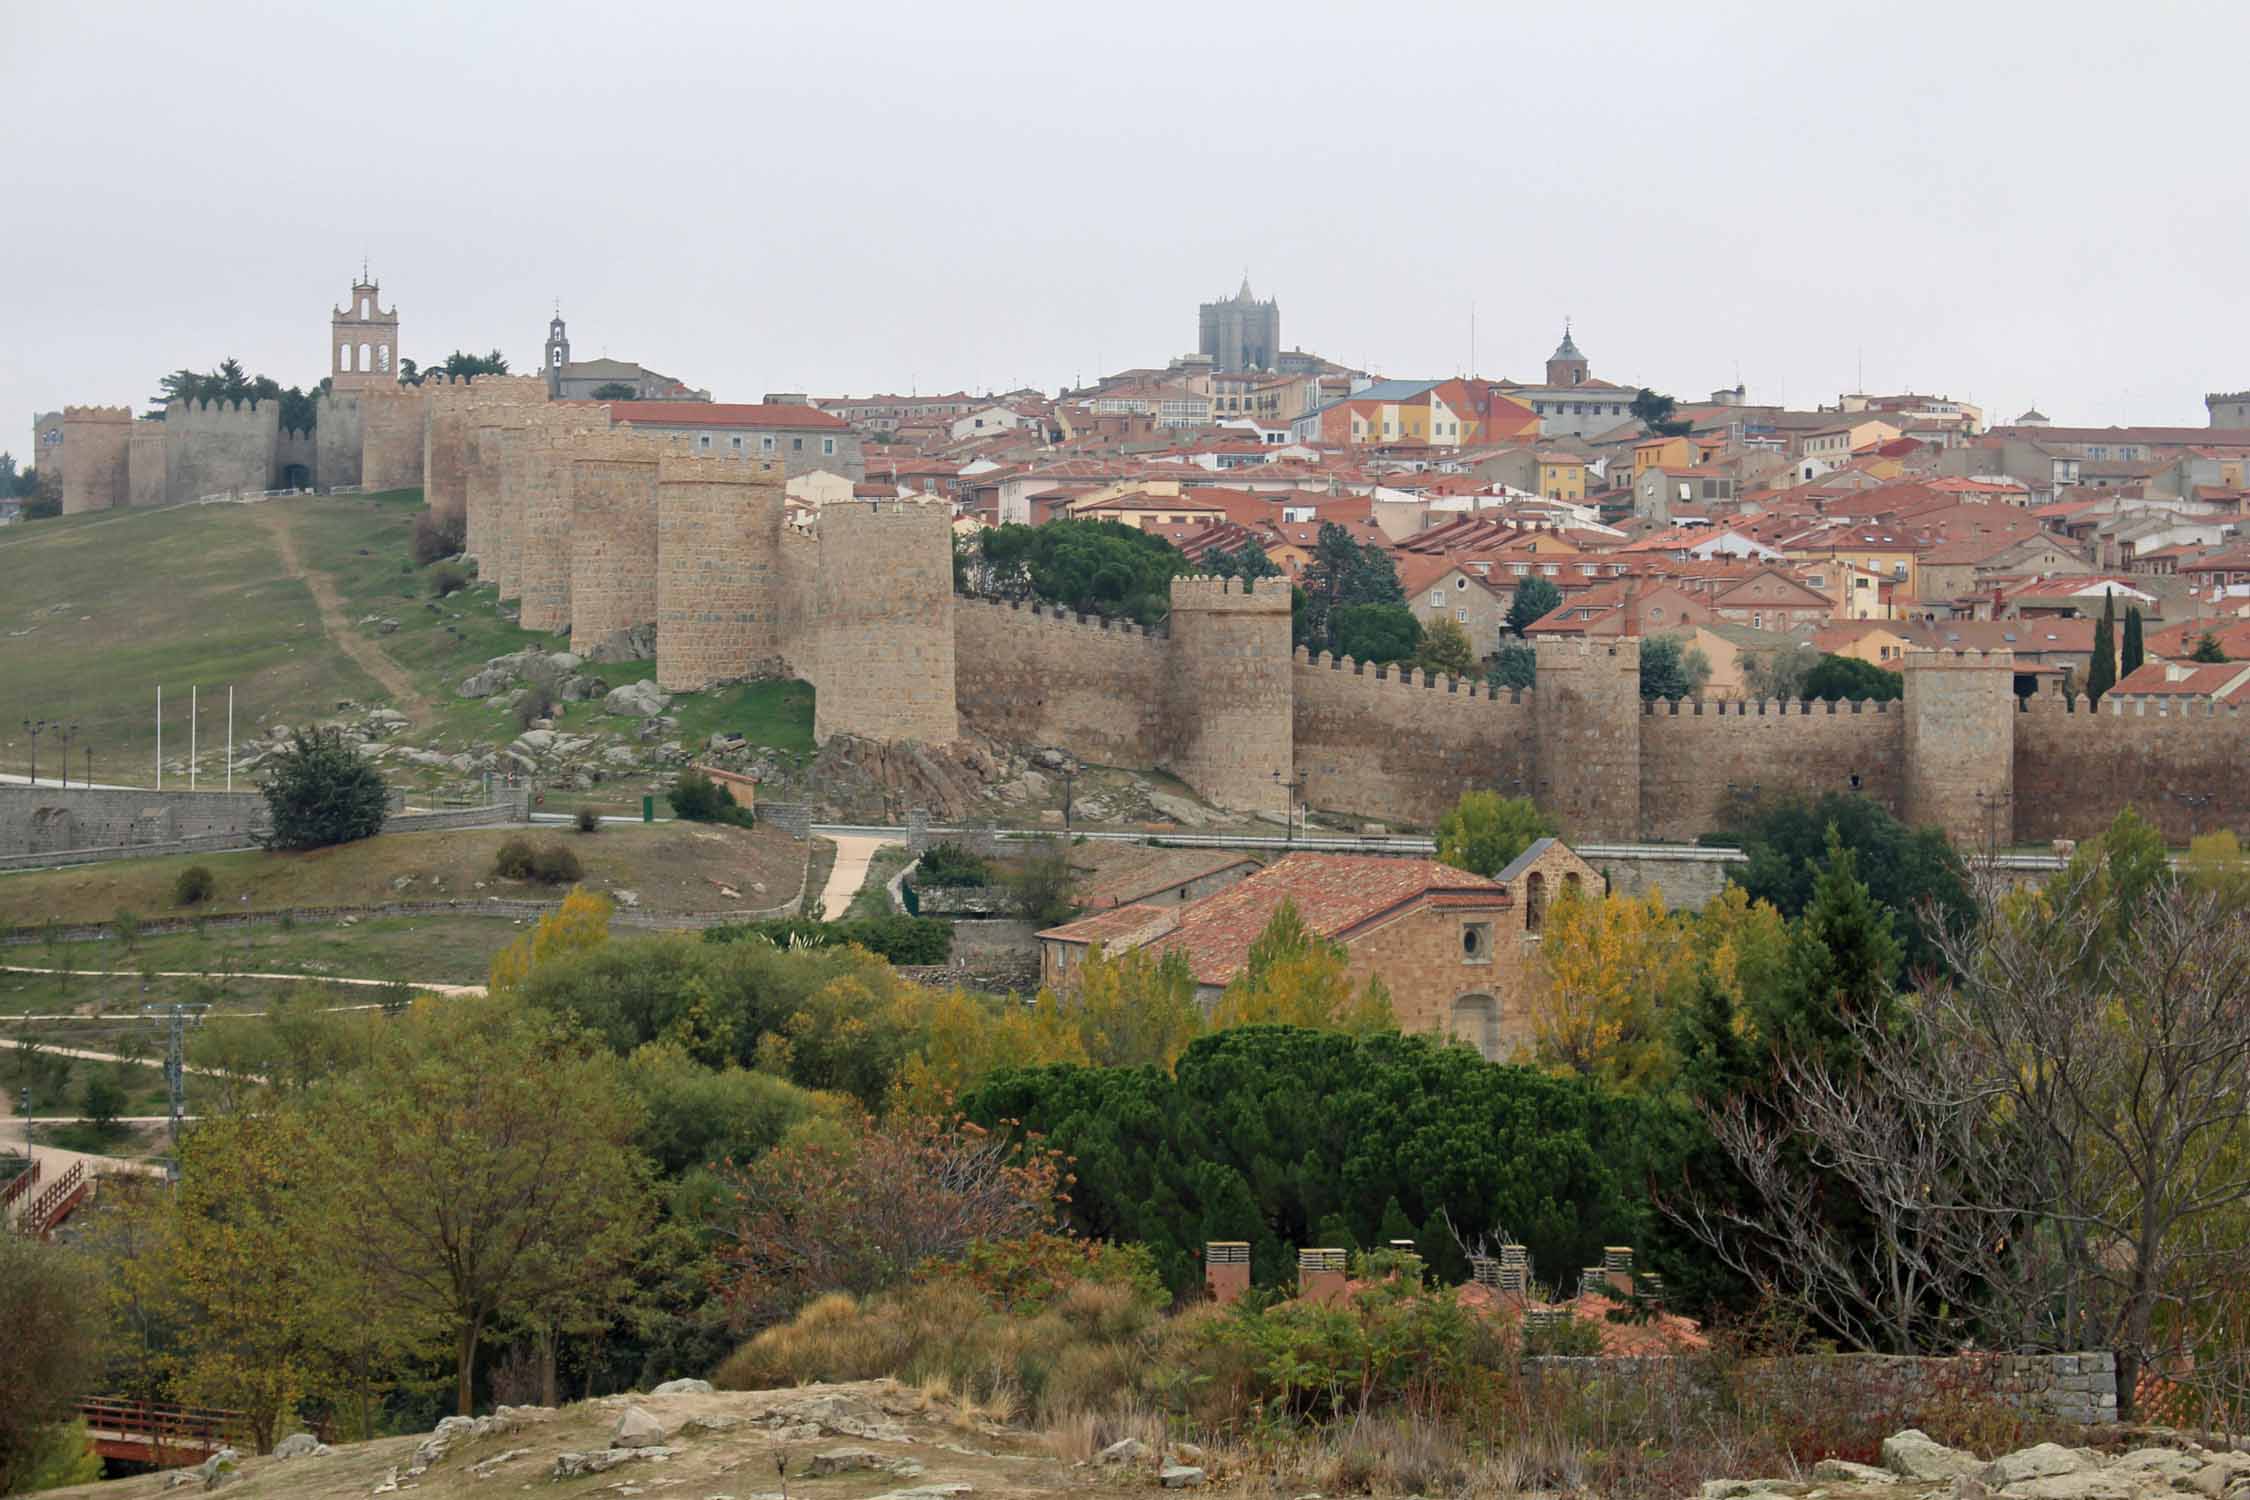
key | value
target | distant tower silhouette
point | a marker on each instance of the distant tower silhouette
(1566, 366)
(558, 352)
(1240, 332)
(363, 339)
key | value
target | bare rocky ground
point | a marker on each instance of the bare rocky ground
(1916, 1468)
(867, 1440)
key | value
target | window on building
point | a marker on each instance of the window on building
(796, 445)
(735, 443)
(703, 441)
(765, 445)
(1437, 598)
(1534, 901)
(828, 447)
(343, 357)
(1476, 942)
(1462, 615)
(1460, 583)
(383, 358)
(363, 360)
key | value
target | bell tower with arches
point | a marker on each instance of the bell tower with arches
(363, 339)
(557, 353)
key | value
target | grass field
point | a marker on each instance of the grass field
(97, 610)
(672, 867)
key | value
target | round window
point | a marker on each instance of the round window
(1472, 941)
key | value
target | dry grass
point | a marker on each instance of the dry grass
(675, 867)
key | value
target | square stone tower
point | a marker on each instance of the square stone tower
(1231, 698)
(363, 339)
(1961, 744)
(1588, 711)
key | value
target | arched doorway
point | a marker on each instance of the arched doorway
(1476, 1020)
(296, 477)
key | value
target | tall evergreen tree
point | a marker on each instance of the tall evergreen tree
(2101, 676)
(2134, 653)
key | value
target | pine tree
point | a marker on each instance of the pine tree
(2134, 653)
(2101, 676)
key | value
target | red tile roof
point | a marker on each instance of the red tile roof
(722, 414)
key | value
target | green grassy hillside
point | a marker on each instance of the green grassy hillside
(290, 602)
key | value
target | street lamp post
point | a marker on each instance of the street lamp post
(69, 733)
(1289, 808)
(2196, 802)
(35, 728)
(1069, 774)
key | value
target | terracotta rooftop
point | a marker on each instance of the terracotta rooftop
(722, 414)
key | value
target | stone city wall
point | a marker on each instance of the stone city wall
(144, 464)
(549, 506)
(612, 534)
(390, 420)
(718, 566)
(1371, 737)
(1040, 676)
(884, 660)
(219, 447)
(296, 450)
(452, 403)
(2179, 765)
(96, 441)
(1229, 693)
(43, 819)
(339, 437)
(1700, 761)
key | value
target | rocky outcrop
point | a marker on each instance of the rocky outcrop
(1917, 1467)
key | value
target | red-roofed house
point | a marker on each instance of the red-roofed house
(1455, 950)
(804, 438)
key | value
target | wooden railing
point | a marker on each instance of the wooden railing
(55, 1201)
(157, 1432)
(18, 1185)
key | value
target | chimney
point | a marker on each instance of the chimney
(1410, 1260)
(1320, 1275)
(1617, 1270)
(1226, 1269)
(1592, 1282)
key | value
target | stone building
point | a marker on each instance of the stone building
(1240, 332)
(803, 438)
(581, 380)
(46, 458)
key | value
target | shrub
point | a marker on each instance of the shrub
(194, 886)
(321, 791)
(555, 865)
(950, 865)
(514, 860)
(589, 821)
(700, 798)
(447, 579)
(900, 939)
(438, 535)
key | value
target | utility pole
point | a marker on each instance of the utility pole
(35, 728)
(175, 1067)
(1294, 789)
(1069, 775)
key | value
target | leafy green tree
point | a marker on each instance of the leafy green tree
(49, 1320)
(1654, 412)
(1094, 567)
(103, 1099)
(1908, 870)
(614, 390)
(1243, 1140)
(1042, 887)
(1484, 831)
(2135, 652)
(1778, 675)
(320, 791)
(1344, 572)
(1514, 665)
(2207, 648)
(1848, 679)
(1377, 632)
(479, 1161)
(2101, 675)
(1535, 598)
(1250, 561)
(1446, 650)
(1844, 956)
(1671, 669)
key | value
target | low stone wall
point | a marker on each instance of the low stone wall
(248, 814)
(1898, 1390)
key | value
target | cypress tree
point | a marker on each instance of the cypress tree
(2101, 675)
(2133, 654)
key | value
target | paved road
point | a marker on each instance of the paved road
(418, 988)
(853, 852)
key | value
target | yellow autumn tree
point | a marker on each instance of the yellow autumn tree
(1744, 943)
(1610, 964)
(1295, 977)
(579, 924)
(966, 1037)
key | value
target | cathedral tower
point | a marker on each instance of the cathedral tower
(557, 355)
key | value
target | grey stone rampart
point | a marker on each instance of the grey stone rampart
(41, 826)
(338, 435)
(219, 447)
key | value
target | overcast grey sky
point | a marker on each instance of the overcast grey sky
(2011, 203)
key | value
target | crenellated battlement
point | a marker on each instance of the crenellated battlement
(1400, 675)
(244, 412)
(1763, 708)
(717, 468)
(1963, 659)
(1202, 591)
(97, 414)
(1049, 614)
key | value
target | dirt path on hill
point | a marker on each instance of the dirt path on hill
(372, 658)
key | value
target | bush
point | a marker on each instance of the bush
(589, 821)
(447, 579)
(195, 885)
(950, 865)
(514, 860)
(555, 865)
(320, 791)
(699, 798)
(900, 939)
(438, 535)
(41, 507)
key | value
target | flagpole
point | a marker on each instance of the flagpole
(160, 736)
(230, 736)
(191, 701)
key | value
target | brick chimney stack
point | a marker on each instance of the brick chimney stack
(1321, 1276)
(1226, 1270)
